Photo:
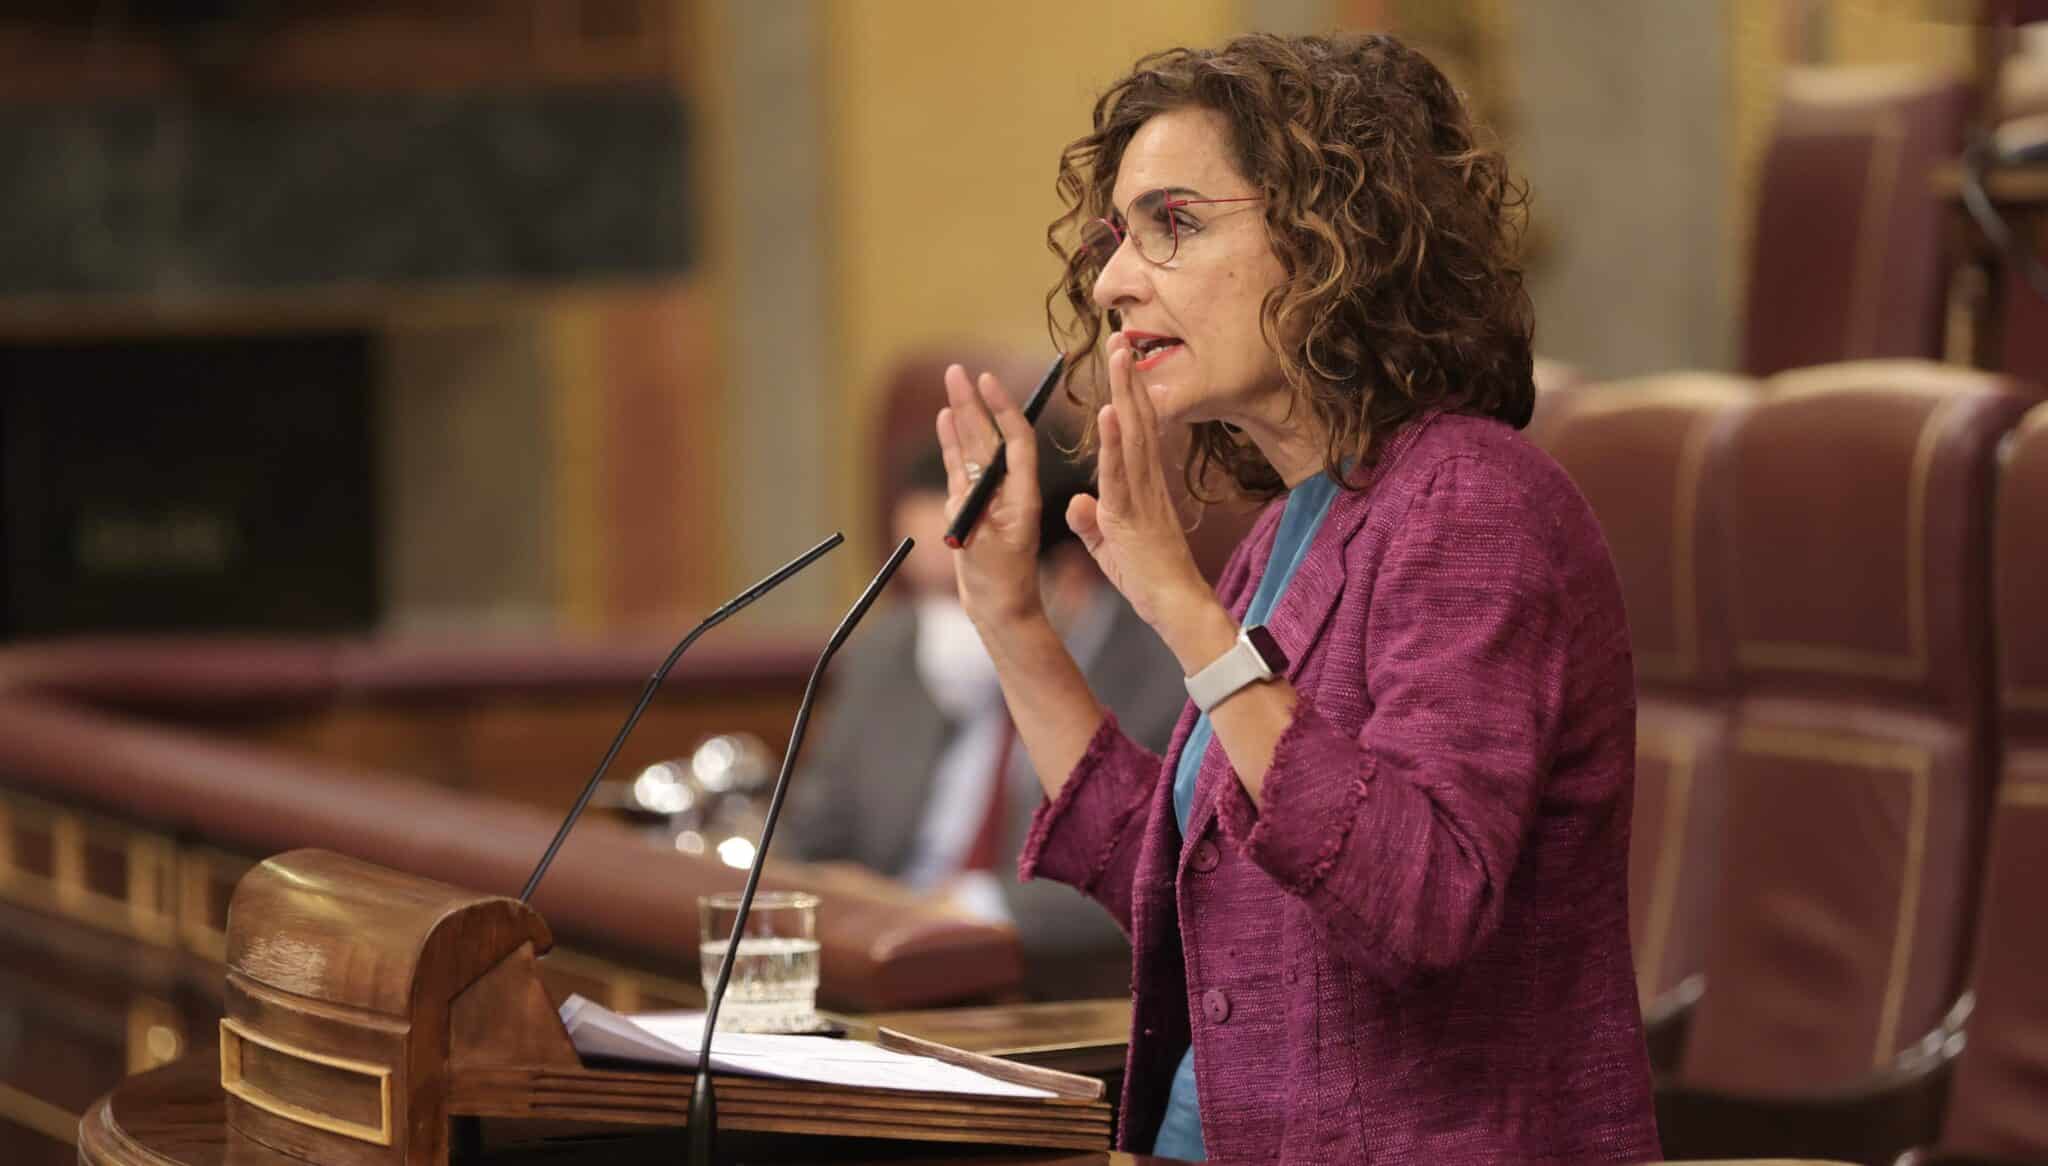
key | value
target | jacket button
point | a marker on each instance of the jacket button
(1216, 1005)
(1204, 857)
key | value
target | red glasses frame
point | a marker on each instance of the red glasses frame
(1096, 255)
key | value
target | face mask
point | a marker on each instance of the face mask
(951, 662)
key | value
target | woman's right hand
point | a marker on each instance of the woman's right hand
(997, 569)
(997, 573)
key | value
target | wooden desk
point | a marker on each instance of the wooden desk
(175, 1115)
(1075, 1036)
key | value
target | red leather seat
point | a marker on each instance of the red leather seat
(1999, 1105)
(1845, 259)
(1645, 454)
(1859, 503)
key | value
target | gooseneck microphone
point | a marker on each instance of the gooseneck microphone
(653, 682)
(703, 1104)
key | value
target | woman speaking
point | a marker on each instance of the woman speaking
(1377, 886)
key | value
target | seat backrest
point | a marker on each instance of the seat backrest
(1859, 505)
(1643, 452)
(1845, 258)
(1556, 384)
(1997, 1109)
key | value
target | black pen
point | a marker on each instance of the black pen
(984, 487)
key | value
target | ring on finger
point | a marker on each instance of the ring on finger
(973, 470)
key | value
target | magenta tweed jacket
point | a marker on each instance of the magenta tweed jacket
(1417, 952)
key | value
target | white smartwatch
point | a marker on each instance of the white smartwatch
(1256, 656)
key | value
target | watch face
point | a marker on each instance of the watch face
(1267, 647)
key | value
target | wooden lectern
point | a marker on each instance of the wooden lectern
(366, 1009)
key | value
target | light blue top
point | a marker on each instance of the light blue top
(1180, 1135)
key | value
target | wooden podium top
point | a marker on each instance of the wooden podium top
(176, 1115)
(373, 1018)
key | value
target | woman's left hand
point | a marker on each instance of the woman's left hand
(1133, 529)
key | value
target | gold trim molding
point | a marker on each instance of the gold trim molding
(1856, 753)
(1881, 180)
(232, 1038)
(200, 869)
(1680, 753)
(1787, 655)
(168, 897)
(26, 1109)
(1707, 397)
(143, 909)
(2028, 794)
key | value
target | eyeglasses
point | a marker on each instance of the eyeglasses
(1154, 224)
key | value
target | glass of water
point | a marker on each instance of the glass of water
(774, 984)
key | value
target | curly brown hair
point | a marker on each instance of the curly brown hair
(1397, 226)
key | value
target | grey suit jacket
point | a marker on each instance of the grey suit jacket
(866, 778)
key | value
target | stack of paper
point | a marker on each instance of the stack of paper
(821, 1085)
(673, 1038)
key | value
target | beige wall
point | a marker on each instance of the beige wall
(1622, 136)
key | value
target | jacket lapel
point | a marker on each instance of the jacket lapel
(1297, 620)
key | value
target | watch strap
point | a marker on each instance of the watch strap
(1243, 664)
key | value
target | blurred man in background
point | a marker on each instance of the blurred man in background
(918, 775)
